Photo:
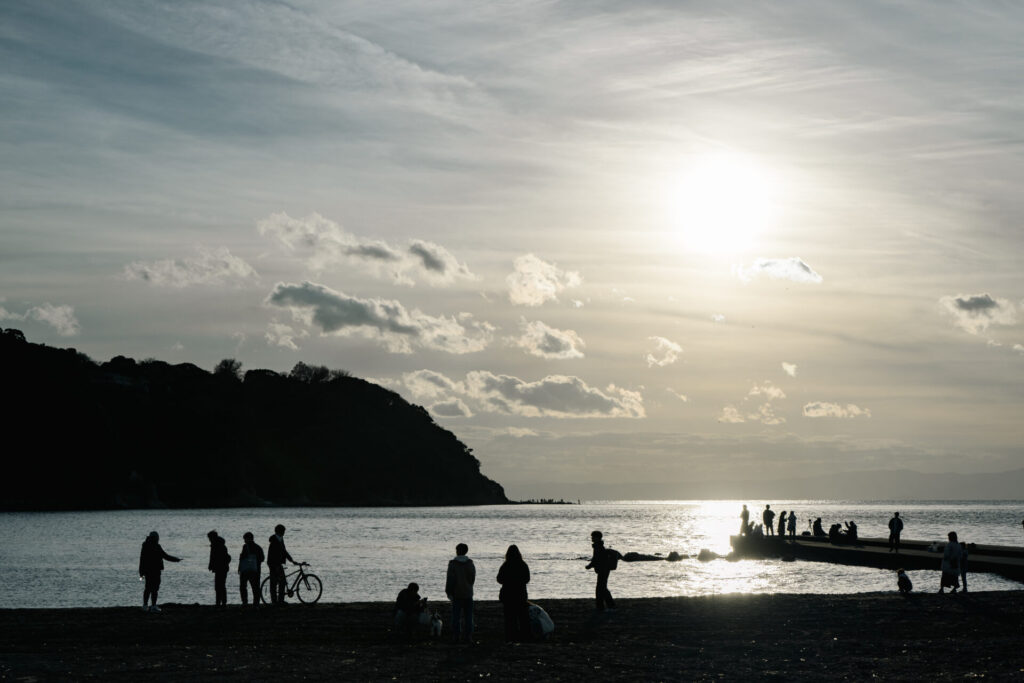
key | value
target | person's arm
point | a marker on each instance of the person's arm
(501, 574)
(142, 556)
(449, 583)
(471, 573)
(526, 573)
(169, 558)
(287, 555)
(212, 553)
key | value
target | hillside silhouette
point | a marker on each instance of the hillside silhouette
(128, 434)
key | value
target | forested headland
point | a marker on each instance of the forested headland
(148, 434)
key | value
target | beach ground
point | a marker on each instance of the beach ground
(923, 636)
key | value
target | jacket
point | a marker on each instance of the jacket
(461, 577)
(277, 553)
(247, 550)
(513, 577)
(220, 559)
(951, 557)
(151, 559)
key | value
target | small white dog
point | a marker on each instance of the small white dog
(435, 624)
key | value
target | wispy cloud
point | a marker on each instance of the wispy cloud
(59, 317)
(756, 406)
(975, 313)
(789, 368)
(823, 409)
(544, 341)
(682, 397)
(451, 408)
(793, 269)
(208, 267)
(398, 329)
(665, 352)
(534, 281)
(279, 334)
(327, 244)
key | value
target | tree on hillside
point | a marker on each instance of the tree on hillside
(229, 367)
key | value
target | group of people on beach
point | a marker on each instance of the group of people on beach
(250, 561)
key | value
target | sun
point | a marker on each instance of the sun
(722, 203)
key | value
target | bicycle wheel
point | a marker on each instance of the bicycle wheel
(265, 591)
(309, 588)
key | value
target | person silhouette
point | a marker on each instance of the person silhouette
(458, 587)
(817, 530)
(276, 556)
(513, 575)
(408, 607)
(220, 561)
(768, 517)
(903, 581)
(782, 524)
(602, 565)
(791, 525)
(951, 557)
(151, 564)
(249, 561)
(895, 529)
(963, 564)
(744, 519)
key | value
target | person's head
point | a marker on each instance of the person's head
(414, 587)
(212, 535)
(744, 507)
(279, 529)
(952, 537)
(461, 549)
(153, 537)
(767, 507)
(247, 537)
(513, 554)
(900, 571)
(896, 514)
(596, 536)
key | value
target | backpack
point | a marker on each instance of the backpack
(611, 559)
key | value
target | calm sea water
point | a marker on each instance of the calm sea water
(90, 559)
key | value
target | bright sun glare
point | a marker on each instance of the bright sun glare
(722, 203)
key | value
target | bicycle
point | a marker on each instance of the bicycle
(306, 587)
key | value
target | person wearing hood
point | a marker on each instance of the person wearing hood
(151, 563)
(249, 561)
(459, 589)
(220, 560)
(513, 576)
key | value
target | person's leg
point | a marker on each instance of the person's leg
(277, 584)
(509, 612)
(456, 618)
(602, 589)
(254, 582)
(469, 620)
(222, 587)
(243, 588)
(525, 633)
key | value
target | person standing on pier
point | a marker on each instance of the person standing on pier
(782, 524)
(744, 519)
(151, 564)
(276, 556)
(220, 560)
(791, 525)
(895, 528)
(603, 563)
(768, 517)
(951, 558)
(458, 587)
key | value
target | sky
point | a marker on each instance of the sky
(608, 243)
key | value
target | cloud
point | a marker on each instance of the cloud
(554, 396)
(398, 329)
(822, 409)
(533, 281)
(974, 313)
(327, 244)
(208, 267)
(718, 318)
(730, 415)
(452, 408)
(279, 334)
(520, 432)
(61, 317)
(1018, 348)
(761, 412)
(682, 397)
(768, 390)
(666, 352)
(789, 368)
(427, 385)
(793, 269)
(548, 342)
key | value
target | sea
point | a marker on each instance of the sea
(90, 559)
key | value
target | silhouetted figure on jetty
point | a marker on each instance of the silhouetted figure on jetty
(816, 530)
(513, 576)
(768, 517)
(744, 520)
(408, 607)
(903, 581)
(782, 524)
(603, 562)
(459, 589)
(151, 563)
(963, 564)
(951, 557)
(249, 561)
(835, 534)
(791, 525)
(895, 529)
(220, 562)
(851, 532)
(276, 556)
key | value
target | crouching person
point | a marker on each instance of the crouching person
(409, 607)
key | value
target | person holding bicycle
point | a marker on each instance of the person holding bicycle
(276, 556)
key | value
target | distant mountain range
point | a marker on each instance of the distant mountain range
(125, 434)
(864, 485)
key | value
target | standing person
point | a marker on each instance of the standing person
(744, 519)
(963, 564)
(220, 561)
(951, 564)
(791, 525)
(458, 587)
(895, 529)
(513, 576)
(602, 564)
(782, 524)
(151, 563)
(249, 561)
(276, 555)
(768, 517)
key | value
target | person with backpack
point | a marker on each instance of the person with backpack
(220, 561)
(895, 529)
(249, 561)
(604, 561)
(513, 575)
(151, 564)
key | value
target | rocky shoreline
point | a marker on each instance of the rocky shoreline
(731, 637)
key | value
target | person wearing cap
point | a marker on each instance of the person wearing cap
(249, 561)
(151, 563)
(895, 528)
